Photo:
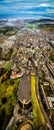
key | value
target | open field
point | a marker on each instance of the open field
(8, 90)
(38, 118)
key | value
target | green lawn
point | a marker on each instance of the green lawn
(31, 26)
(8, 92)
(8, 65)
(38, 118)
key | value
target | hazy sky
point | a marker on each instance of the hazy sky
(26, 9)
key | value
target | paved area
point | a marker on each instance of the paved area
(24, 91)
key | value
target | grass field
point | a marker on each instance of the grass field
(8, 91)
(38, 118)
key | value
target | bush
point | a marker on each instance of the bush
(52, 118)
(5, 76)
(52, 57)
(7, 99)
(8, 56)
(8, 66)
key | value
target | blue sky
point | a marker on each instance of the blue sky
(26, 9)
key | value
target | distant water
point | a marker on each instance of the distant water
(26, 9)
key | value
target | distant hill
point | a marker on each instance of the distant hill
(21, 23)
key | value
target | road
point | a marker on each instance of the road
(41, 105)
(39, 99)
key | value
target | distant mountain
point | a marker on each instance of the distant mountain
(21, 23)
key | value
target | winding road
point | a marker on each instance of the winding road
(39, 98)
(41, 105)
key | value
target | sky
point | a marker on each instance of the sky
(23, 9)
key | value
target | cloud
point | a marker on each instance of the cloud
(25, 8)
(50, 11)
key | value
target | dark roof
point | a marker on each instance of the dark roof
(24, 91)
